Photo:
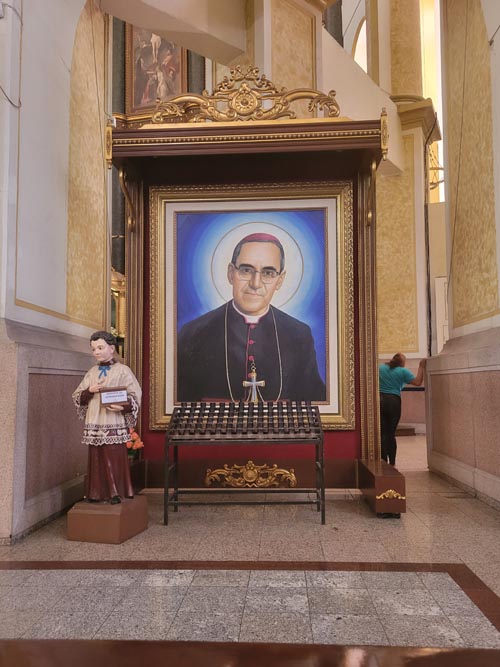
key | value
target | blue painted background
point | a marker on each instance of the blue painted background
(198, 234)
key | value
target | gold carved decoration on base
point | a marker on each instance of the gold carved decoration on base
(242, 96)
(251, 476)
(390, 494)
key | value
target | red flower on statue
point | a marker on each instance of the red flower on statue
(135, 441)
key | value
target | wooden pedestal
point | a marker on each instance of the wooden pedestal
(383, 487)
(105, 523)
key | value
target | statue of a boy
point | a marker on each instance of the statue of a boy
(107, 427)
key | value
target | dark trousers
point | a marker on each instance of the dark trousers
(390, 414)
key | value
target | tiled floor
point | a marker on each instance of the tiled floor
(292, 606)
(273, 574)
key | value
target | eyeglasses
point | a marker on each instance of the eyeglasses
(247, 273)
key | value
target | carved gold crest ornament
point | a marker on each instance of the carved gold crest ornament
(242, 96)
(251, 476)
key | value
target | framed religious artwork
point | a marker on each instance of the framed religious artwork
(155, 68)
(260, 281)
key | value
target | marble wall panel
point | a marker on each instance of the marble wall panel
(412, 407)
(474, 272)
(475, 358)
(486, 419)
(47, 473)
(54, 453)
(451, 418)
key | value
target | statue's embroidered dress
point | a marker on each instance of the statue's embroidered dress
(106, 431)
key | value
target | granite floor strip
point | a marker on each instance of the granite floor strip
(328, 604)
(482, 597)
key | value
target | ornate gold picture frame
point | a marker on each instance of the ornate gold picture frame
(171, 248)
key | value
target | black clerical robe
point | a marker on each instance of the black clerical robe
(203, 373)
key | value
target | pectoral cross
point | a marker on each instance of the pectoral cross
(253, 383)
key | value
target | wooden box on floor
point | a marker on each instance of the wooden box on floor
(383, 487)
(105, 523)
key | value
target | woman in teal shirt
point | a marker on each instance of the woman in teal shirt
(393, 376)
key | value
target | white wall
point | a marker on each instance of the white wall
(213, 28)
(358, 96)
(35, 146)
(353, 13)
(10, 34)
(43, 159)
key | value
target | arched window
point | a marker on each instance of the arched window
(359, 46)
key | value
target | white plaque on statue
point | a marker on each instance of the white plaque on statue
(114, 395)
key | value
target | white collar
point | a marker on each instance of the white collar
(250, 319)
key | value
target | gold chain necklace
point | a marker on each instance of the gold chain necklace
(227, 359)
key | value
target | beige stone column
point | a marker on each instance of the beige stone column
(401, 252)
(406, 56)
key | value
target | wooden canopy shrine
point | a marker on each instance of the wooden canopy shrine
(245, 137)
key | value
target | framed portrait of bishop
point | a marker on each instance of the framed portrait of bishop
(258, 281)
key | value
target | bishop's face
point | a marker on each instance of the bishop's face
(251, 295)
